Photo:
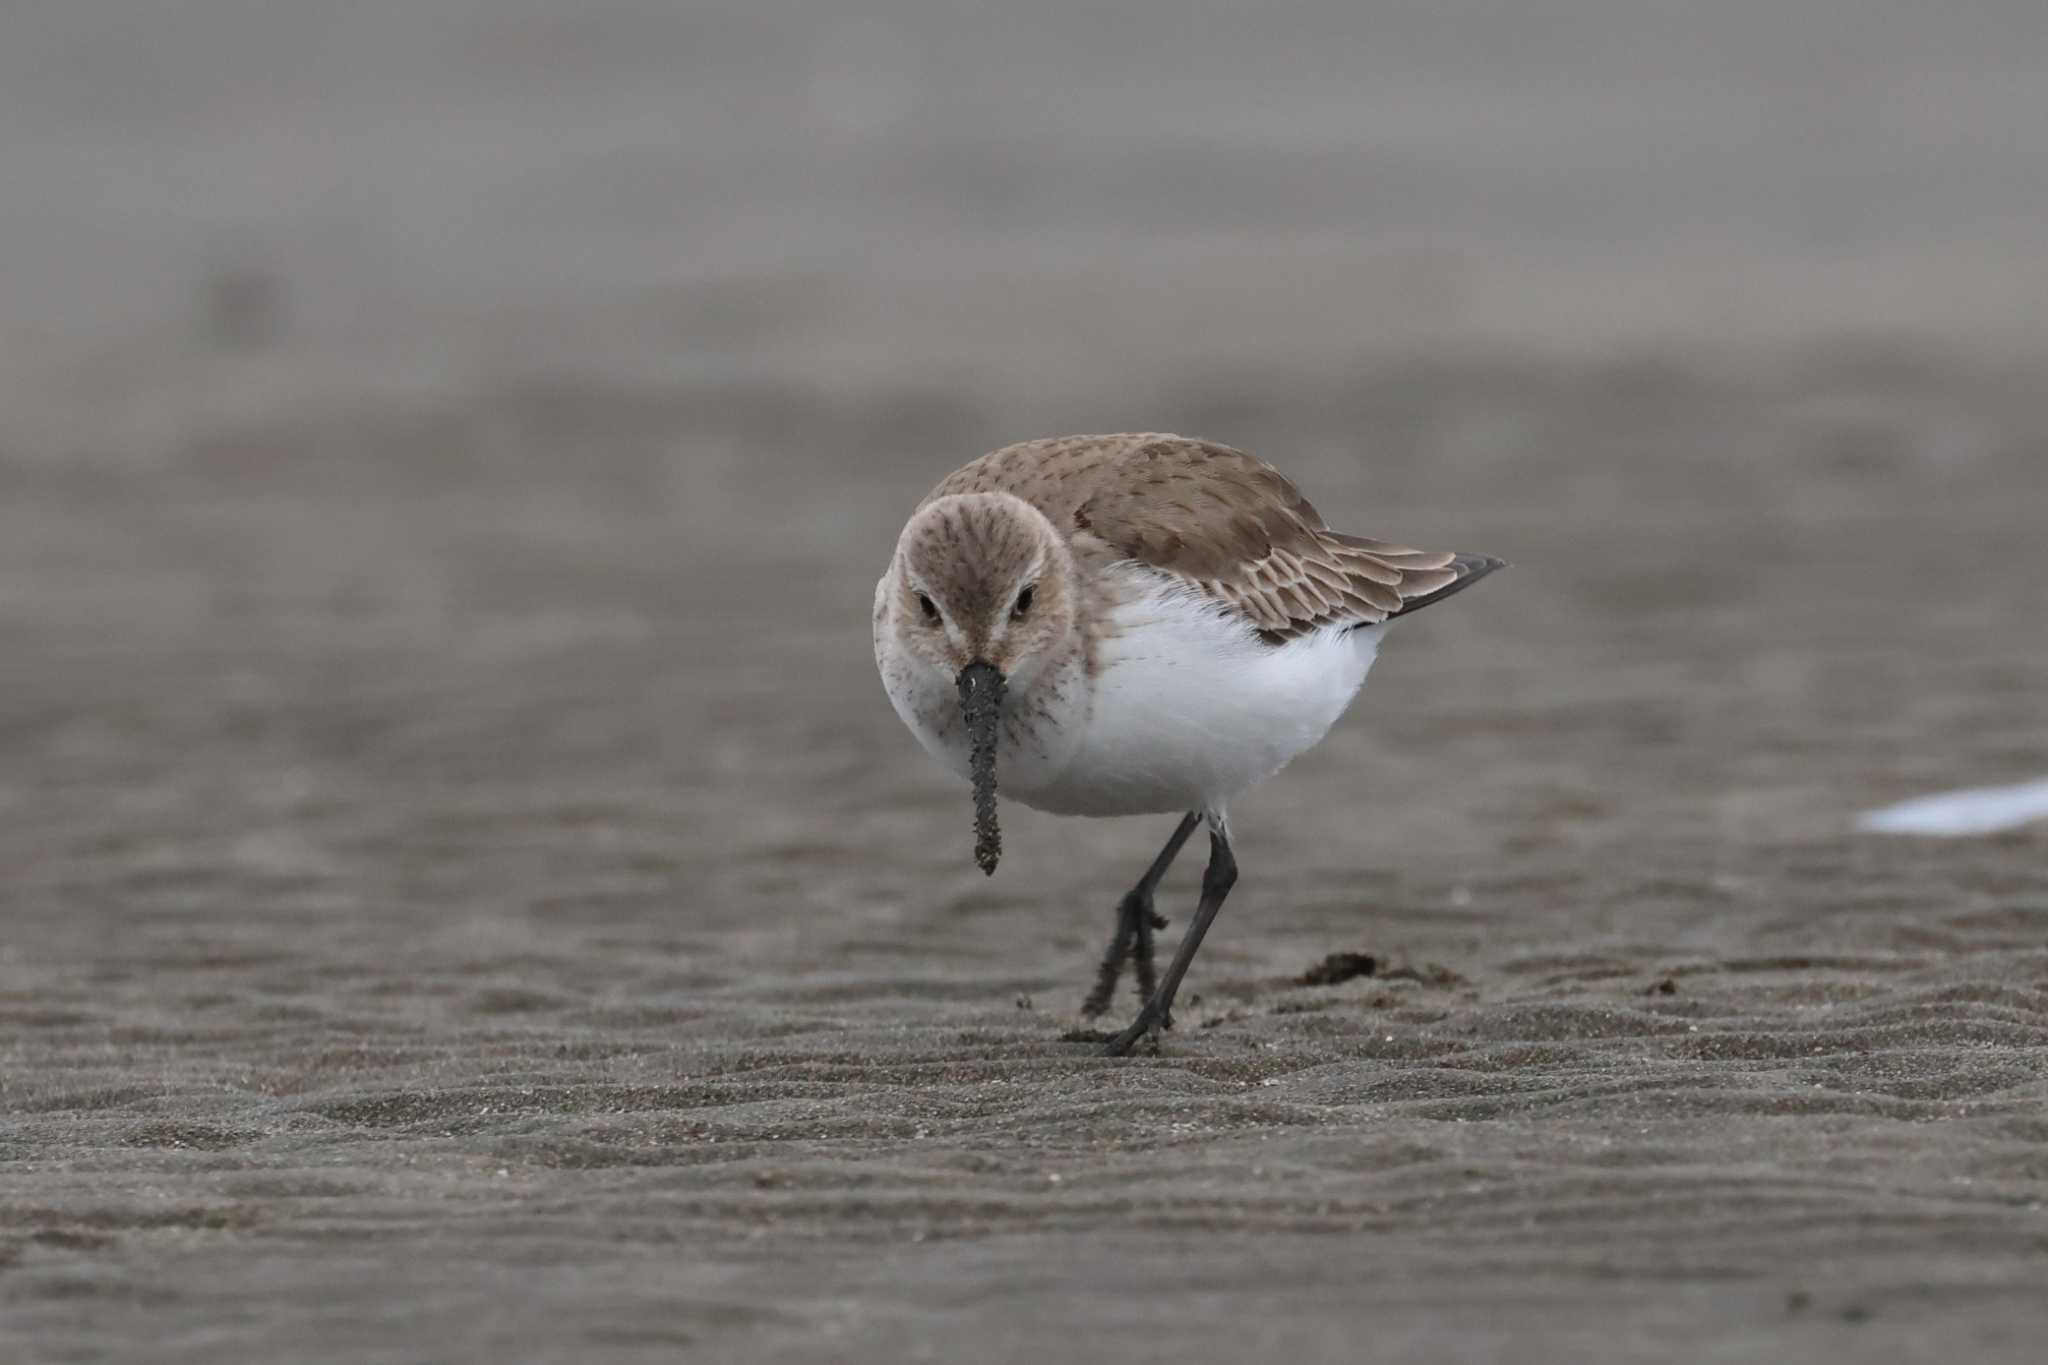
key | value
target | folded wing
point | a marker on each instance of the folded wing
(1229, 524)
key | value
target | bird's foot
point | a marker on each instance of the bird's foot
(1135, 921)
(1147, 1027)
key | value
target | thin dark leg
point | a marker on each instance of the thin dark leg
(1217, 880)
(1134, 925)
(1144, 974)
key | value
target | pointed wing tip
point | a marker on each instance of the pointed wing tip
(1471, 568)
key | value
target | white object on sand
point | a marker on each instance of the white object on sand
(1974, 810)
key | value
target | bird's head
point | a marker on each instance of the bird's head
(982, 590)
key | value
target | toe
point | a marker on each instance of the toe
(1145, 1026)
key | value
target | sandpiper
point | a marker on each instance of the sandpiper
(1134, 624)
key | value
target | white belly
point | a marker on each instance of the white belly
(1189, 708)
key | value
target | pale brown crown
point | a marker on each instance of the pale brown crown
(999, 577)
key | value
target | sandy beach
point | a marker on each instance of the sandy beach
(468, 899)
(468, 907)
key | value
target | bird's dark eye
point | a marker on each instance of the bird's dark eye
(1023, 606)
(931, 610)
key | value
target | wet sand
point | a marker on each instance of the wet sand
(468, 897)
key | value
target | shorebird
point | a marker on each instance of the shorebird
(1128, 625)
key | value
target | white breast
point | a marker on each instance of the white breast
(1186, 708)
(1044, 718)
(1189, 707)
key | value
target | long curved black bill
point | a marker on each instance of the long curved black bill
(981, 703)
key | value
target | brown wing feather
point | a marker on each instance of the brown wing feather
(1231, 525)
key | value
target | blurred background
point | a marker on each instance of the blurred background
(958, 193)
(446, 449)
